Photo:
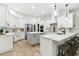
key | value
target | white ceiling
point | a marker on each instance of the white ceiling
(40, 8)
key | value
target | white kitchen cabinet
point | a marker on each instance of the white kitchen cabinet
(22, 35)
(16, 36)
(6, 43)
(66, 23)
(3, 15)
(22, 23)
(19, 36)
(13, 21)
(76, 22)
(33, 37)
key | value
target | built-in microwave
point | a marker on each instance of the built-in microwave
(41, 28)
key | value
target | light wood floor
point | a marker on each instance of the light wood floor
(22, 48)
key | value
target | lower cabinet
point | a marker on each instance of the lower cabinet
(33, 39)
(16, 37)
(22, 35)
(19, 36)
(6, 43)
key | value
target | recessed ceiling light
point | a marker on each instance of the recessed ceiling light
(33, 7)
(16, 8)
(12, 11)
(37, 14)
(55, 12)
(43, 11)
(52, 5)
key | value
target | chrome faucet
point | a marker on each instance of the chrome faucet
(63, 30)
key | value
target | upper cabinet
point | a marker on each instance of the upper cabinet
(3, 15)
(12, 21)
(22, 23)
(66, 23)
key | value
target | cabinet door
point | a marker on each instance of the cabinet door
(3, 16)
(29, 38)
(13, 21)
(35, 38)
(15, 37)
(22, 35)
(6, 43)
(22, 24)
(10, 20)
(66, 23)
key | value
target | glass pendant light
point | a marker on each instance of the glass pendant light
(55, 11)
(66, 16)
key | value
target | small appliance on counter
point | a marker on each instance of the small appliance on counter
(1, 31)
(41, 28)
(53, 27)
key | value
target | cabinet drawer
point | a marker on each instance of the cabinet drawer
(35, 39)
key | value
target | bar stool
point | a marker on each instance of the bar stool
(73, 46)
(69, 48)
(76, 38)
(62, 50)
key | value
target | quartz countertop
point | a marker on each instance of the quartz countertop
(57, 37)
(9, 34)
(34, 32)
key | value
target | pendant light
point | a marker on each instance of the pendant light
(55, 11)
(66, 16)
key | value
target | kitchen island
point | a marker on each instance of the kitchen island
(33, 37)
(6, 42)
(50, 42)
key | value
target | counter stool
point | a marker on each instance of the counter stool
(62, 50)
(71, 50)
(76, 38)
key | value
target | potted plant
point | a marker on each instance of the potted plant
(1, 31)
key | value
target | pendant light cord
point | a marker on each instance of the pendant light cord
(66, 9)
(55, 6)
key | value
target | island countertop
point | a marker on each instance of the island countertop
(9, 34)
(49, 43)
(57, 37)
(34, 32)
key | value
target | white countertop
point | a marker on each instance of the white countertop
(57, 37)
(34, 32)
(9, 34)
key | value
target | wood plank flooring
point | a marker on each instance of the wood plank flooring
(22, 48)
